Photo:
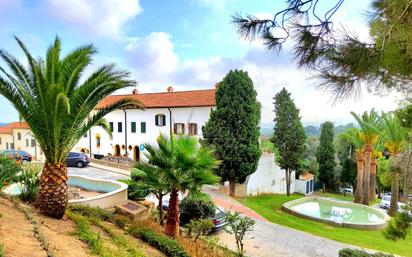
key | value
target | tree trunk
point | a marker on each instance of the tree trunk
(160, 207)
(359, 179)
(173, 215)
(393, 209)
(287, 182)
(232, 187)
(372, 189)
(52, 195)
(366, 176)
(406, 177)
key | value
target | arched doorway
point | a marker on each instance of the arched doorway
(136, 153)
(117, 150)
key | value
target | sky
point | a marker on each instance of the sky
(186, 44)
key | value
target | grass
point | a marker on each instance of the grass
(1, 250)
(269, 206)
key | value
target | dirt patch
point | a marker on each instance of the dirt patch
(16, 233)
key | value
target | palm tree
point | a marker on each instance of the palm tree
(394, 141)
(376, 154)
(186, 166)
(151, 180)
(369, 124)
(59, 108)
(353, 136)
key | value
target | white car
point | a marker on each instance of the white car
(386, 203)
(346, 190)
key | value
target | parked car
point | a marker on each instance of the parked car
(17, 155)
(218, 220)
(386, 203)
(79, 160)
(346, 190)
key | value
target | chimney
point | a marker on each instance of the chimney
(134, 91)
(170, 89)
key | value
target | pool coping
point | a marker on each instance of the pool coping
(287, 208)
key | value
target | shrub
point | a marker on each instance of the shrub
(163, 243)
(30, 182)
(347, 252)
(399, 226)
(120, 220)
(238, 226)
(1, 250)
(91, 212)
(198, 228)
(197, 208)
(8, 170)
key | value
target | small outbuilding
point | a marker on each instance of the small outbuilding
(305, 184)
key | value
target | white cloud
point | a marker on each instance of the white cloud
(156, 66)
(103, 18)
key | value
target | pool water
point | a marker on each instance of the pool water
(340, 213)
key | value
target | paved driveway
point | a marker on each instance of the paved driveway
(270, 240)
(95, 173)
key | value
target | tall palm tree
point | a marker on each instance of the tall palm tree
(370, 124)
(353, 136)
(376, 154)
(394, 141)
(59, 108)
(151, 180)
(186, 166)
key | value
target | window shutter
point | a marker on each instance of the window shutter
(164, 120)
(183, 128)
(156, 120)
(175, 128)
(195, 125)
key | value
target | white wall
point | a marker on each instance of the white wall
(269, 178)
(6, 140)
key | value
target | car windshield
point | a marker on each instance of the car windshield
(386, 198)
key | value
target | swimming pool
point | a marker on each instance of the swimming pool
(113, 192)
(338, 213)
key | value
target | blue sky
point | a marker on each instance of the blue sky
(186, 44)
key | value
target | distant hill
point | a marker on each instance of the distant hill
(310, 130)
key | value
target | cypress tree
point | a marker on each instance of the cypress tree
(325, 156)
(233, 128)
(289, 135)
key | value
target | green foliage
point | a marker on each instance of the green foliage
(289, 136)
(325, 156)
(120, 220)
(29, 180)
(349, 172)
(1, 250)
(90, 212)
(383, 173)
(134, 190)
(348, 252)
(163, 243)
(405, 116)
(239, 226)
(198, 228)
(399, 226)
(197, 208)
(233, 127)
(58, 106)
(8, 170)
(309, 162)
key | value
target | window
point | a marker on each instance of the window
(27, 143)
(142, 127)
(98, 140)
(160, 120)
(111, 126)
(7, 145)
(133, 127)
(179, 128)
(192, 129)
(19, 136)
(11, 145)
(119, 127)
(33, 143)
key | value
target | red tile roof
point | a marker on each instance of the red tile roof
(195, 98)
(8, 129)
(306, 176)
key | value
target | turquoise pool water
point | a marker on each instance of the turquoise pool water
(339, 212)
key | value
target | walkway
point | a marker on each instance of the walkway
(270, 240)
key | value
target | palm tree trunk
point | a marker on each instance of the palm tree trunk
(366, 175)
(52, 195)
(173, 219)
(232, 187)
(393, 209)
(287, 182)
(359, 179)
(406, 177)
(160, 207)
(372, 190)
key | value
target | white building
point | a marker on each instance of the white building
(181, 113)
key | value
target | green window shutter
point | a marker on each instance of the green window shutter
(133, 125)
(143, 127)
(119, 127)
(111, 126)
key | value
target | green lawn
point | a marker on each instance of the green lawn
(269, 206)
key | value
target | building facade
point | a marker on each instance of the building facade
(18, 136)
(180, 113)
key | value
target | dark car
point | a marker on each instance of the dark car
(79, 160)
(17, 155)
(218, 220)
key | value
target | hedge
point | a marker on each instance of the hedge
(163, 243)
(347, 252)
